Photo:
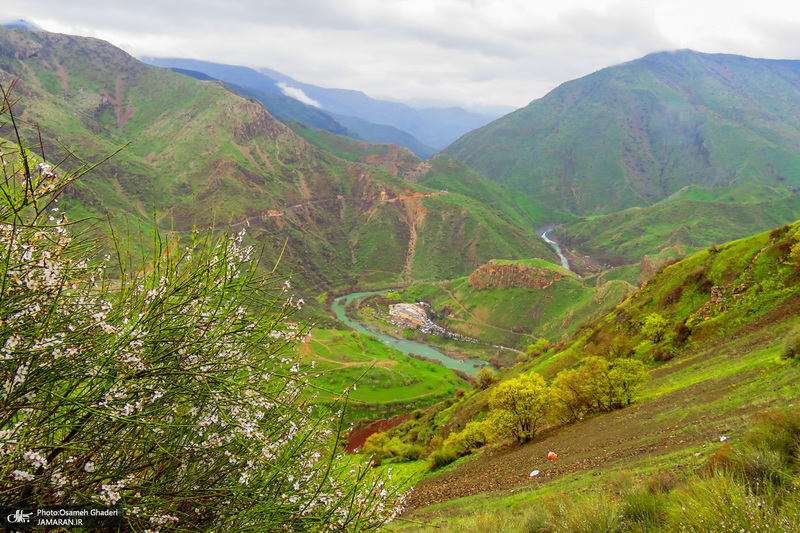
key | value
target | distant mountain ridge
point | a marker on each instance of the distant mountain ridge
(424, 131)
(633, 134)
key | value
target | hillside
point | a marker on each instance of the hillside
(200, 154)
(668, 120)
(691, 219)
(729, 313)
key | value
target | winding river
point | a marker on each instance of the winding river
(403, 345)
(556, 247)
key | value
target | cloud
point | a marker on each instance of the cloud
(485, 52)
(298, 94)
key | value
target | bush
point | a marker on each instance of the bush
(441, 457)
(412, 453)
(661, 355)
(538, 348)
(791, 349)
(475, 435)
(682, 334)
(171, 389)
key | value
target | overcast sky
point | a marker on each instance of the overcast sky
(472, 52)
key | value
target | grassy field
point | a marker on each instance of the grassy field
(385, 379)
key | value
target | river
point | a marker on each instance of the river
(556, 247)
(403, 345)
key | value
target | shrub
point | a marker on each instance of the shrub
(682, 334)
(412, 453)
(172, 389)
(791, 349)
(538, 348)
(661, 355)
(475, 435)
(674, 296)
(441, 457)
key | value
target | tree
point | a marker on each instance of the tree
(485, 378)
(522, 404)
(596, 386)
(171, 391)
(625, 376)
(571, 400)
(654, 327)
(538, 348)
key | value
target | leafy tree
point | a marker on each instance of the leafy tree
(597, 386)
(571, 399)
(171, 391)
(485, 378)
(522, 404)
(654, 327)
(625, 376)
(538, 348)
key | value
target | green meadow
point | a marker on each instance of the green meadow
(384, 378)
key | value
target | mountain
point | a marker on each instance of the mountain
(199, 154)
(289, 103)
(435, 126)
(22, 25)
(636, 133)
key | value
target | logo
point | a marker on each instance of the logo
(19, 517)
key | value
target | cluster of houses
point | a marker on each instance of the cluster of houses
(416, 316)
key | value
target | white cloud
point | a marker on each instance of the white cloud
(298, 94)
(489, 52)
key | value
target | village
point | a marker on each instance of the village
(415, 316)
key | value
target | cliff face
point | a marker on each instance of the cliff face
(501, 276)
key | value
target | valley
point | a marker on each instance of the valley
(620, 257)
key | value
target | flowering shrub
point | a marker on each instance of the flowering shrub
(171, 391)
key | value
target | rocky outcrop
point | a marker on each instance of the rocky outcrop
(495, 275)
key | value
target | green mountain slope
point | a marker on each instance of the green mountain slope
(720, 354)
(200, 154)
(692, 219)
(636, 133)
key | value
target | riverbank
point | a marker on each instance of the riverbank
(405, 346)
